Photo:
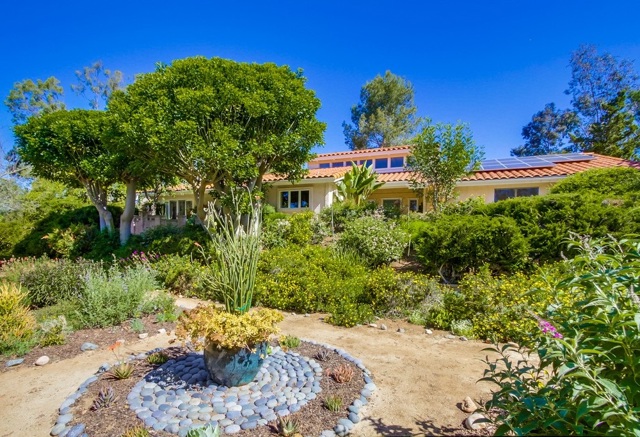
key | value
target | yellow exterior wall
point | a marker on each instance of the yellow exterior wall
(486, 192)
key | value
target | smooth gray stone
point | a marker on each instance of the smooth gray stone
(76, 430)
(354, 417)
(88, 347)
(57, 429)
(232, 428)
(65, 418)
(15, 362)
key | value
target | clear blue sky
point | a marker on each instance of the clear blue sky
(489, 63)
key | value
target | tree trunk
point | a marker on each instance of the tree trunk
(199, 193)
(98, 196)
(127, 214)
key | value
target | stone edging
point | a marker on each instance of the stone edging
(342, 428)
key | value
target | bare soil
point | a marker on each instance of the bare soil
(422, 379)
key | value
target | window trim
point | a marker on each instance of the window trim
(417, 204)
(391, 198)
(396, 157)
(289, 208)
(375, 163)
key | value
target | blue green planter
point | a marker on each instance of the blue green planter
(234, 367)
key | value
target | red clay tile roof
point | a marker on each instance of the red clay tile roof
(559, 169)
(359, 152)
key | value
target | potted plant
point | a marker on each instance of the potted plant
(234, 338)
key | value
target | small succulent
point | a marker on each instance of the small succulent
(288, 427)
(333, 403)
(204, 431)
(289, 342)
(136, 431)
(341, 374)
(122, 370)
(322, 355)
(157, 358)
(106, 397)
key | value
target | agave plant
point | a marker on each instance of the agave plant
(357, 184)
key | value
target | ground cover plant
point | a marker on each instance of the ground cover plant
(586, 379)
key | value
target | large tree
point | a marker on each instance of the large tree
(548, 132)
(29, 98)
(219, 123)
(441, 155)
(67, 146)
(385, 115)
(616, 134)
(96, 83)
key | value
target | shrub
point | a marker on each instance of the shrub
(585, 380)
(308, 279)
(17, 324)
(111, 297)
(349, 314)
(53, 332)
(165, 240)
(336, 216)
(54, 281)
(290, 229)
(547, 221)
(378, 241)
(181, 274)
(453, 245)
(394, 294)
(496, 306)
(617, 182)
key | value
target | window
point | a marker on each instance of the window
(173, 209)
(325, 165)
(366, 162)
(337, 164)
(382, 163)
(391, 204)
(397, 162)
(414, 206)
(508, 193)
(294, 199)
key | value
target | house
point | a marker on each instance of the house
(497, 179)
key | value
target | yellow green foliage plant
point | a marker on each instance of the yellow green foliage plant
(227, 330)
(17, 323)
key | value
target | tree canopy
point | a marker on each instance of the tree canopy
(219, 123)
(67, 146)
(441, 155)
(604, 113)
(29, 98)
(385, 115)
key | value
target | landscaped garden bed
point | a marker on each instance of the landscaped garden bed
(296, 386)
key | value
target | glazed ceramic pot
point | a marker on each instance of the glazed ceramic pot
(234, 367)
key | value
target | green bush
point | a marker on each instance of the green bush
(54, 281)
(393, 294)
(375, 239)
(616, 182)
(290, 229)
(71, 233)
(112, 296)
(583, 379)
(546, 221)
(453, 245)
(350, 314)
(181, 274)
(340, 213)
(17, 323)
(307, 279)
(167, 240)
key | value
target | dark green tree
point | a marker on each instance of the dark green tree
(616, 134)
(441, 155)
(385, 115)
(548, 132)
(67, 146)
(219, 123)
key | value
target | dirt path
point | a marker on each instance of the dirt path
(420, 378)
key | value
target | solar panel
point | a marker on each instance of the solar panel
(525, 162)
